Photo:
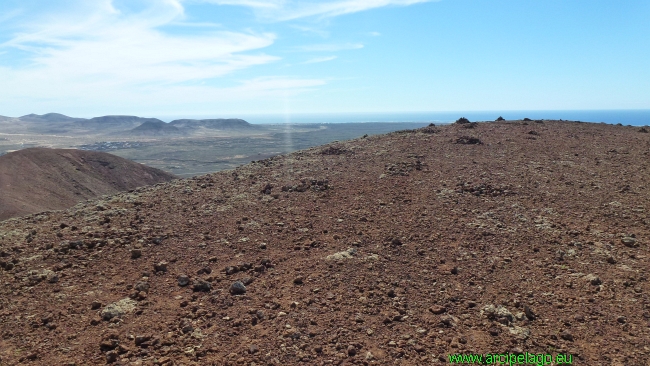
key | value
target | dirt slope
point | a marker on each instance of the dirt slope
(39, 179)
(389, 250)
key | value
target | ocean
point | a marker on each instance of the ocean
(638, 117)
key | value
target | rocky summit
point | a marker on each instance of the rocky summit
(400, 249)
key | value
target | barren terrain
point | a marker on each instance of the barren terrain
(387, 250)
(38, 179)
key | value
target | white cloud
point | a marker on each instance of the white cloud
(320, 32)
(105, 53)
(320, 59)
(101, 53)
(260, 4)
(331, 47)
(282, 10)
(302, 9)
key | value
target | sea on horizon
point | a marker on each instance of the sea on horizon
(638, 117)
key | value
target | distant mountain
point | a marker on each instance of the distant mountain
(49, 117)
(156, 128)
(39, 179)
(117, 125)
(217, 124)
(117, 122)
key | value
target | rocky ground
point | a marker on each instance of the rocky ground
(389, 250)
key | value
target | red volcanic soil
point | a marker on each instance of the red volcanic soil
(400, 249)
(39, 179)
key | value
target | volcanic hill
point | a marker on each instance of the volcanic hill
(217, 124)
(39, 179)
(504, 237)
(156, 128)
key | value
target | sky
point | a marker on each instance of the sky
(87, 58)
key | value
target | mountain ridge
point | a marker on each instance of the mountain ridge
(120, 124)
(39, 179)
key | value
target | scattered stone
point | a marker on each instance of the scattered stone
(494, 331)
(186, 326)
(629, 242)
(346, 254)
(448, 320)
(519, 332)
(140, 340)
(437, 309)
(111, 356)
(529, 313)
(593, 279)
(136, 253)
(566, 336)
(352, 351)
(253, 349)
(95, 305)
(467, 140)
(201, 286)
(204, 270)
(142, 286)
(160, 267)
(183, 280)
(621, 319)
(611, 260)
(259, 268)
(237, 288)
(454, 270)
(298, 280)
(118, 309)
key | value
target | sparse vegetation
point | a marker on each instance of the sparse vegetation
(467, 140)
(462, 120)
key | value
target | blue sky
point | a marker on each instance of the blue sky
(223, 57)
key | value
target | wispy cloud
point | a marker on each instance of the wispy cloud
(320, 59)
(99, 52)
(103, 52)
(320, 32)
(282, 10)
(331, 47)
(258, 4)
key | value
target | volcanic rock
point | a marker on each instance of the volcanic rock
(237, 288)
(500, 212)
